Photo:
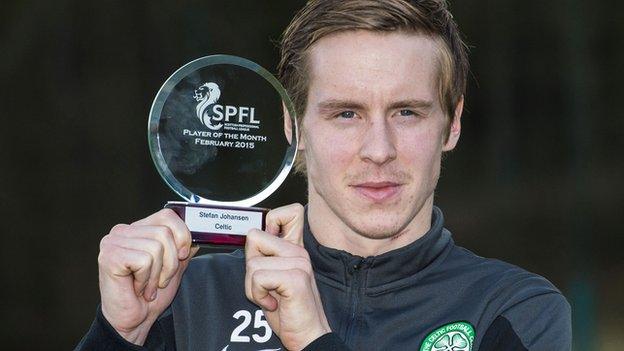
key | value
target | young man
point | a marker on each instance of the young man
(367, 265)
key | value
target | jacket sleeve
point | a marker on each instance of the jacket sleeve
(540, 323)
(103, 337)
(327, 342)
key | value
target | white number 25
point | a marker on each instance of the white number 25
(259, 322)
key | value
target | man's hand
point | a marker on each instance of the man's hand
(280, 279)
(140, 268)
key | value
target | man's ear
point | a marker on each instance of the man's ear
(288, 128)
(455, 127)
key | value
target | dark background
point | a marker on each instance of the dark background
(536, 179)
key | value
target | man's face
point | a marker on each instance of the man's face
(374, 131)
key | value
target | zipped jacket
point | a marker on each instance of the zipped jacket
(430, 295)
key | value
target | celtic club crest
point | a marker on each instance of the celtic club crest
(456, 336)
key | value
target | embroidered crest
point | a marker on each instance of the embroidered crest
(456, 336)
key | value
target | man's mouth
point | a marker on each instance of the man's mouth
(378, 191)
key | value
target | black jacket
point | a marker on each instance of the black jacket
(430, 295)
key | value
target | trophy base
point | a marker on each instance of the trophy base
(219, 226)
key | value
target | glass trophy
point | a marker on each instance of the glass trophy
(216, 135)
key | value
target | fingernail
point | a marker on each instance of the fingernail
(153, 297)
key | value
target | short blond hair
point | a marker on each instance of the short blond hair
(320, 18)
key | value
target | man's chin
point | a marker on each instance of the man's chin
(379, 230)
(375, 221)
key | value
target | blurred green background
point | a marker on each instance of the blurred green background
(536, 179)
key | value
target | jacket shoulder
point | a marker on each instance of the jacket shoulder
(531, 307)
(505, 279)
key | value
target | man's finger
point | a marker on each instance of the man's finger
(161, 235)
(285, 283)
(125, 262)
(288, 221)
(179, 230)
(273, 263)
(259, 243)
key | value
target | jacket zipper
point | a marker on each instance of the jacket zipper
(354, 300)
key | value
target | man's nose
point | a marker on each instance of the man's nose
(378, 143)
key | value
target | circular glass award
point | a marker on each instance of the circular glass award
(222, 133)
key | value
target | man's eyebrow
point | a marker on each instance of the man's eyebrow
(413, 103)
(335, 104)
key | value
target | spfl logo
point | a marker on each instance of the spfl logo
(216, 116)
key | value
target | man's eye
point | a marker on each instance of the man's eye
(346, 114)
(407, 112)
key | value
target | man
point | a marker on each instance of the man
(367, 265)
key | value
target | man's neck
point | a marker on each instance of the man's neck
(330, 231)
